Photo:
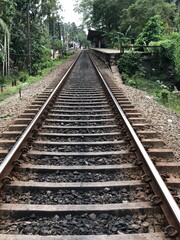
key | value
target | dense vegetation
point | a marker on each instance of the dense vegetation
(151, 29)
(31, 31)
(115, 15)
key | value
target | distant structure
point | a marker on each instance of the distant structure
(97, 39)
(73, 45)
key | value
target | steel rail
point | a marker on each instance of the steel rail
(169, 205)
(7, 164)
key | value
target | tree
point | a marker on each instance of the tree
(107, 14)
(142, 10)
(177, 18)
(5, 48)
(102, 14)
(6, 11)
(152, 31)
(35, 24)
(82, 37)
(86, 8)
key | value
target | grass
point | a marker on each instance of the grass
(9, 90)
(162, 94)
(4, 116)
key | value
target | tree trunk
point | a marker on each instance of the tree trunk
(5, 54)
(53, 36)
(8, 56)
(28, 38)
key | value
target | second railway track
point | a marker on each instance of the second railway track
(80, 174)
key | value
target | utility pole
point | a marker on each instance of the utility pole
(54, 27)
(59, 36)
(28, 37)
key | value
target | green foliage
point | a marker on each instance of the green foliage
(9, 90)
(56, 44)
(131, 63)
(103, 14)
(40, 59)
(32, 25)
(4, 116)
(115, 15)
(170, 52)
(164, 95)
(75, 34)
(106, 14)
(2, 80)
(177, 19)
(82, 37)
(116, 39)
(152, 31)
(155, 89)
(23, 76)
(140, 11)
(1, 53)
(176, 54)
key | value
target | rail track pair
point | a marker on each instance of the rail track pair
(86, 165)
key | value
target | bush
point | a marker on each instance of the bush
(41, 59)
(131, 63)
(2, 80)
(170, 57)
(23, 76)
(164, 96)
(152, 31)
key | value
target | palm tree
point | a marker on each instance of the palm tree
(6, 53)
(123, 38)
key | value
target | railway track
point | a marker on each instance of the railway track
(79, 171)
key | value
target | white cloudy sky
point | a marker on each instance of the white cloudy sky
(68, 12)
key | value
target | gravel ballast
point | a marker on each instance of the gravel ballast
(79, 176)
(53, 197)
(71, 160)
(84, 224)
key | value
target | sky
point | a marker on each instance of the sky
(68, 12)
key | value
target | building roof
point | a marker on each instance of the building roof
(94, 34)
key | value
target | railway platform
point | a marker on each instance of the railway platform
(109, 56)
